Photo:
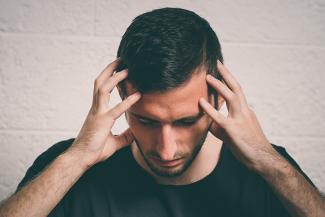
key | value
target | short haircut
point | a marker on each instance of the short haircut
(162, 48)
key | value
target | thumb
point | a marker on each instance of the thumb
(124, 139)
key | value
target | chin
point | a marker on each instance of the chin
(162, 170)
(168, 172)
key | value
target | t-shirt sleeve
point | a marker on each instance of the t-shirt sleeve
(285, 154)
(276, 207)
(43, 160)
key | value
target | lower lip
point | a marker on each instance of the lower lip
(168, 163)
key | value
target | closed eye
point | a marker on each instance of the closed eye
(147, 122)
(185, 123)
(176, 123)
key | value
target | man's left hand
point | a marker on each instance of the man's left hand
(240, 129)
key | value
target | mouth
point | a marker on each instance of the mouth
(172, 163)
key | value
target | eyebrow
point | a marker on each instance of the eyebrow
(192, 117)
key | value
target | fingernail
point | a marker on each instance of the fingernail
(123, 71)
(202, 100)
(209, 77)
(137, 94)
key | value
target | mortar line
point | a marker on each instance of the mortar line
(107, 38)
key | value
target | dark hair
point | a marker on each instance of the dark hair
(162, 48)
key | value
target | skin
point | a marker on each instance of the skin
(95, 143)
(170, 126)
(248, 143)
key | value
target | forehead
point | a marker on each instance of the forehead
(174, 103)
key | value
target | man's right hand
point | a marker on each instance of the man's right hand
(95, 141)
(93, 144)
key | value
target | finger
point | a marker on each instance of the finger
(232, 100)
(213, 113)
(124, 139)
(105, 74)
(120, 108)
(228, 77)
(231, 82)
(105, 90)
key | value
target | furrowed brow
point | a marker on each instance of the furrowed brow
(192, 117)
(143, 117)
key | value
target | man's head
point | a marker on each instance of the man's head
(168, 53)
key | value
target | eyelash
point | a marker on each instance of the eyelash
(151, 123)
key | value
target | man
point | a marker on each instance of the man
(180, 155)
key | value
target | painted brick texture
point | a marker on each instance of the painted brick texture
(52, 51)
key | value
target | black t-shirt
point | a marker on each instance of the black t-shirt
(120, 187)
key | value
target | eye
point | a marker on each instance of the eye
(146, 122)
(185, 123)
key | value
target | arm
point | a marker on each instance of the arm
(94, 143)
(42, 194)
(242, 131)
(298, 196)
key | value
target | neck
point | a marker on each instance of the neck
(202, 165)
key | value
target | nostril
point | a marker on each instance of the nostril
(167, 155)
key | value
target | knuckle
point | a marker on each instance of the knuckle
(92, 111)
(101, 91)
(96, 81)
(225, 124)
(116, 75)
(249, 113)
(232, 97)
(123, 106)
(127, 101)
(94, 100)
(111, 115)
(238, 86)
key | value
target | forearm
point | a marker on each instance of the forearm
(299, 197)
(43, 193)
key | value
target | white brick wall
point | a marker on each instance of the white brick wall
(51, 52)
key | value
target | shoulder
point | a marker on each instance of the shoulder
(44, 159)
(232, 162)
(119, 160)
(53, 152)
(281, 150)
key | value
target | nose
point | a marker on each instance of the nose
(167, 146)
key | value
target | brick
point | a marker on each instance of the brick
(18, 152)
(55, 17)
(48, 82)
(279, 22)
(284, 85)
